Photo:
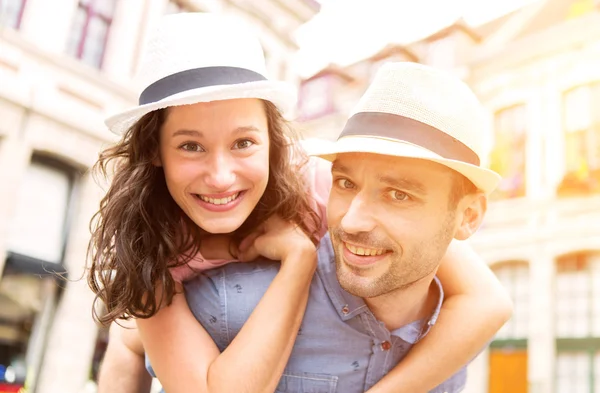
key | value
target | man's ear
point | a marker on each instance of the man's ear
(471, 209)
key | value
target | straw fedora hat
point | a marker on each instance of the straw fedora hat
(201, 57)
(413, 110)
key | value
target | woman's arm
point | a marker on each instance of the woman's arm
(475, 308)
(186, 359)
(123, 367)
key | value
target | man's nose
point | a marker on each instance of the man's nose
(359, 217)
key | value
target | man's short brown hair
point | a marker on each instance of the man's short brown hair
(461, 187)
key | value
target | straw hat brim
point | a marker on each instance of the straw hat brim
(483, 178)
(281, 94)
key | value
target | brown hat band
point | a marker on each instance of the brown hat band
(387, 125)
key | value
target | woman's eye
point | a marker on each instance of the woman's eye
(243, 144)
(192, 147)
(399, 195)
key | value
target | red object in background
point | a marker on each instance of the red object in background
(6, 388)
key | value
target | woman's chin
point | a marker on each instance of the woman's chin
(220, 226)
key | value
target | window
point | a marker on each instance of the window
(578, 296)
(316, 97)
(579, 8)
(35, 245)
(514, 276)
(578, 323)
(572, 373)
(89, 31)
(582, 140)
(11, 12)
(508, 154)
(39, 223)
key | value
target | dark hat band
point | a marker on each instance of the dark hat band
(409, 130)
(197, 78)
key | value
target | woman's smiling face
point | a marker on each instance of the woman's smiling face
(215, 157)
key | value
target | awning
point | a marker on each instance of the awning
(23, 264)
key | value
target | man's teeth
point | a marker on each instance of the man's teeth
(219, 201)
(364, 251)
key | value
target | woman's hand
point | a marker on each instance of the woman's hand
(277, 240)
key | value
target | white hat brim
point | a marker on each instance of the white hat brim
(484, 179)
(281, 94)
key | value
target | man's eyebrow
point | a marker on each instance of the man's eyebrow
(337, 167)
(395, 182)
(197, 133)
(404, 184)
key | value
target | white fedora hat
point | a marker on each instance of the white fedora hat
(201, 57)
(416, 111)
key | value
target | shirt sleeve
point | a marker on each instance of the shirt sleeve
(195, 266)
(318, 180)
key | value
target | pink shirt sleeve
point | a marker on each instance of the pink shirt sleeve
(318, 180)
(317, 175)
(196, 265)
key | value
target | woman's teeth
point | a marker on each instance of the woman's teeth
(219, 201)
(364, 251)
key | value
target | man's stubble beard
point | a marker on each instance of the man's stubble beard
(405, 269)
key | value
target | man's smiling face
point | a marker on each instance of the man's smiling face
(391, 220)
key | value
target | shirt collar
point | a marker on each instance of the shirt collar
(415, 331)
(346, 304)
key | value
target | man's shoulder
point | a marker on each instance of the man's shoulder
(263, 266)
(266, 268)
(325, 255)
(256, 275)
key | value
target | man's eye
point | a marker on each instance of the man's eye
(345, 183)
(399, 195)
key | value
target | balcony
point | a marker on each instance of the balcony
(555, 222)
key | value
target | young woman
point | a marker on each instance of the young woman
(207, 172)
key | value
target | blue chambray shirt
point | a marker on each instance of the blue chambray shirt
(341, 346)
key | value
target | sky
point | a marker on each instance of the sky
(346, 31)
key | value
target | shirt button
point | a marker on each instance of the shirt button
(386, 345)
(345, 310)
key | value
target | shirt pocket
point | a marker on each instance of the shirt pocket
(307, 383)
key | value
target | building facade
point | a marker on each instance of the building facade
(59, 77)
(537, 71)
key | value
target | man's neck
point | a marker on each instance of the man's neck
(403, 306)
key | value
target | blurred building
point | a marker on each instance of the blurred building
(537, 71)
(64, 65)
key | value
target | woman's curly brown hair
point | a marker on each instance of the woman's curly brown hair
(137, 234)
